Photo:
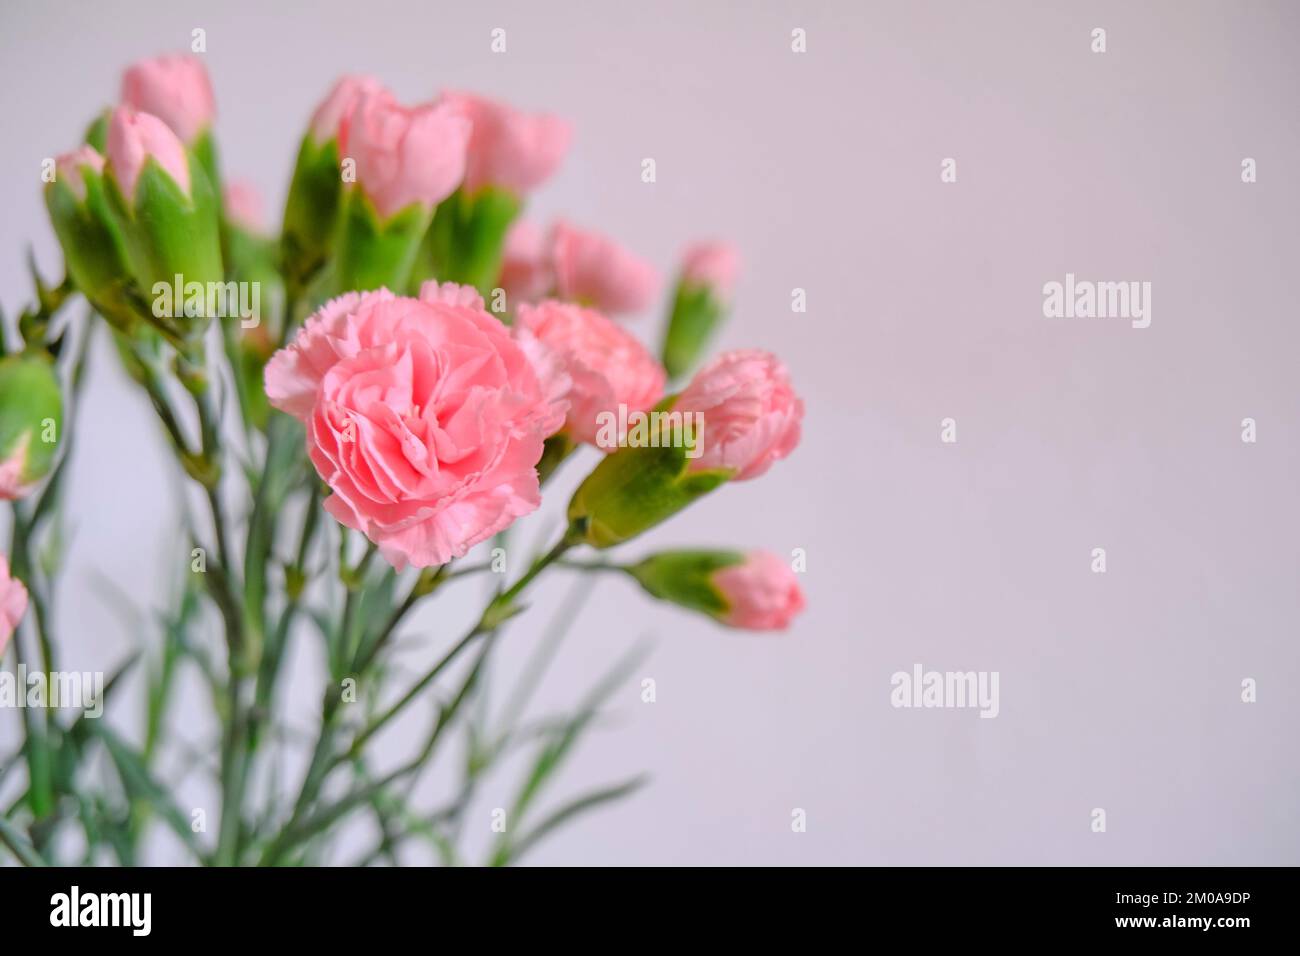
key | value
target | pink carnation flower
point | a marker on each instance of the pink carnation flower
(607, 365)
(762, 593)
(337, 107)
(714, 265)
(510, 149)
(404, 155)
(525, 272)
(751, 414)
(426, 418)
(176, 89)
(593, 270)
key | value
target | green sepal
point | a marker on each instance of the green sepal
(373, 252)
(466, 240)
(97, 133)
(94, 250)
(695, 316)
(31, 401)
(634, 489)
(312, 211)
(204, 149)
(168, 233)
(556, 448)
(686, 578)
(252, 258)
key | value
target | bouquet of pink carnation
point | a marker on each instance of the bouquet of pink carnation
(358, 403)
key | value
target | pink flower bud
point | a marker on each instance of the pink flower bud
(762, 593)
(751, 414)
(176, 89)
(13, 602)
(12, 468)
(68, 168)
(607, 366)
(510, 149)
(405, 155)
(337, 107)
(592, 269)
(713, 265)
(243, 205)
(134, 137)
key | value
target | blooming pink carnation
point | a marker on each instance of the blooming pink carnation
(337, 107)
(13, 602)
(135, 137)
(404, 155)
(714, 265)
(606, 363)
(762, 593)
(751, 414)
(593, 270)
(525, 272)
(176, 89)
(510, 149)
(426, 418)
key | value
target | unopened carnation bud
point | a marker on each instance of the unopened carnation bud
(641, 485)
(312, 211)
(406, 160)
(755, 591)
(737, 416)
(163, 203)
(92, 242)
(762, 593)
(242, 204)
(176, 89)
(700, 303)
(31, 420)
(510, 153)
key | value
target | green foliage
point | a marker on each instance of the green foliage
(466, 239)
(695, 315)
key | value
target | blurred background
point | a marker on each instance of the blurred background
(1120, 690)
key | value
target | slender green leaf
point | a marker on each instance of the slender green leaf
(139, 784)
(510, 852)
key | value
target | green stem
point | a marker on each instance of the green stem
(497, 611)
(593, 566)
(295, 578)
(191, 367)
(18, 844)
(488, 620)
(40, 791)
(234, 770)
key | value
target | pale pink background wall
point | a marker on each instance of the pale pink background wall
(1118, 691)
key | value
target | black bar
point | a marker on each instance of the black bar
(548, 907)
